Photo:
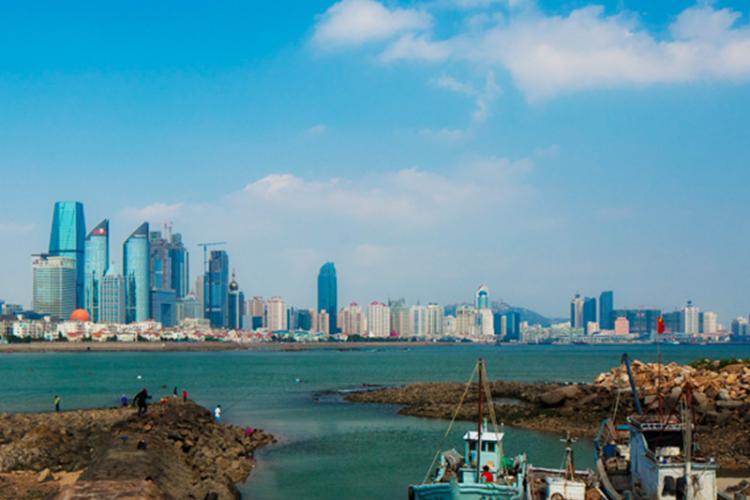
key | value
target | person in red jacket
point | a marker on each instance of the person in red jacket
(487, 476)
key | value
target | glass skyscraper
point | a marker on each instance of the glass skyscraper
(328, 294)
(589, 313)
(67, 240)
(54, 285)
(606, 308)
(216, 285)
(135, 270)
(112, 298)
(179, 260)
(97, 263)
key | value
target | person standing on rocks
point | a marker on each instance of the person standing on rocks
(56, 402)
(141, 401)
(217, 414)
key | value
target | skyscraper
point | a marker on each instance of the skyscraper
(576, 312)
(54, 285)
(67, 240)
(482, 299)
(328, 293)
(137, 275)
(235, 307)
(97, 263)
(606, 306)
(112, 294)
(180, 272)
(379, 319)
(216, 285)
(589, 313)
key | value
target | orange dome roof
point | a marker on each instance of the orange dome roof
(80, 315)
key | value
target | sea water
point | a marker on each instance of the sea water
(327, 448)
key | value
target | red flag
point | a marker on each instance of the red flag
(660, 325)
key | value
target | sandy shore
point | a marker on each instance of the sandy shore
(199, 346)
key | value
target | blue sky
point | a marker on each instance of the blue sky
(425, 147)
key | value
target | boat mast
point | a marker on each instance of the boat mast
(480, 366)
(688, 443)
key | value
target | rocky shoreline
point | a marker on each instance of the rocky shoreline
(175, 451)
(722, 407)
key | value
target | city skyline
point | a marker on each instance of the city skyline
(419, 154)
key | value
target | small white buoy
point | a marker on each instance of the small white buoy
(139, 377)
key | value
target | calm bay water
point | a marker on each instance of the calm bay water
(328, 448)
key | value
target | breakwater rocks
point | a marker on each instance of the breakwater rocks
(175, 451)
(721, 403)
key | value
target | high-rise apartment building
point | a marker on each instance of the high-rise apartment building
(379, 319)
(112, 298)
(67, 239)
(276, 314)
(137, 275)
(353, 320)
(418, 320)
(606, 306)
(399, 318)
(96, 266)
(328, 293)
(710, 322)
(216, 285)
(434, 320)
(54, 285)
(466, 321)
(691, 318)
(324, 322)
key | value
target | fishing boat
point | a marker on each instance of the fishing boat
(482, 471)
(566, 483)
(652, 455)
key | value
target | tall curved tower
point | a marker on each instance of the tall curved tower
(328, 294)
(135, 270)
(67, 239)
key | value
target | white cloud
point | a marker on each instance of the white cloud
(588, 49)
(444, 135)
(482, 97)
(355, 22)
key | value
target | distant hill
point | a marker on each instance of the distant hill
(533, 317)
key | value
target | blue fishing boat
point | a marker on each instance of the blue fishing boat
(482, 471)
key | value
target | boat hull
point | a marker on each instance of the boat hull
(456, 491)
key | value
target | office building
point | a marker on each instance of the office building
(54, 285)
(188, 307)
(257, 312)
(137, 275)
(673, 322)
(180, 262)
(236, 305)
(67, 239)
(740, 327)
(164, 307)
(606, 306)
(216, 285)
(328, 293)
(641, 321)
(576, 312)
(482, 298)
(112, 298)
(276, 314)
(589, 314)
(485, 322)
(96, 266)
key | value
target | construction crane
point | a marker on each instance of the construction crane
(207, 302)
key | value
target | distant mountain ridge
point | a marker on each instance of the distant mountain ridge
(532, 317)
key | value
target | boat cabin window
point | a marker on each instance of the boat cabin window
(488, 446)
(656, 439)
(472, 445)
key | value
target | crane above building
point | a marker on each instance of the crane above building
(205, 251)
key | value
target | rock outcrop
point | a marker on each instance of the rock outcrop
(720, 395)
(175, 451)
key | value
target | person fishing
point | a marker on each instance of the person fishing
(141, 401)
(123, 400)
(217, 414)
(56, 402)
